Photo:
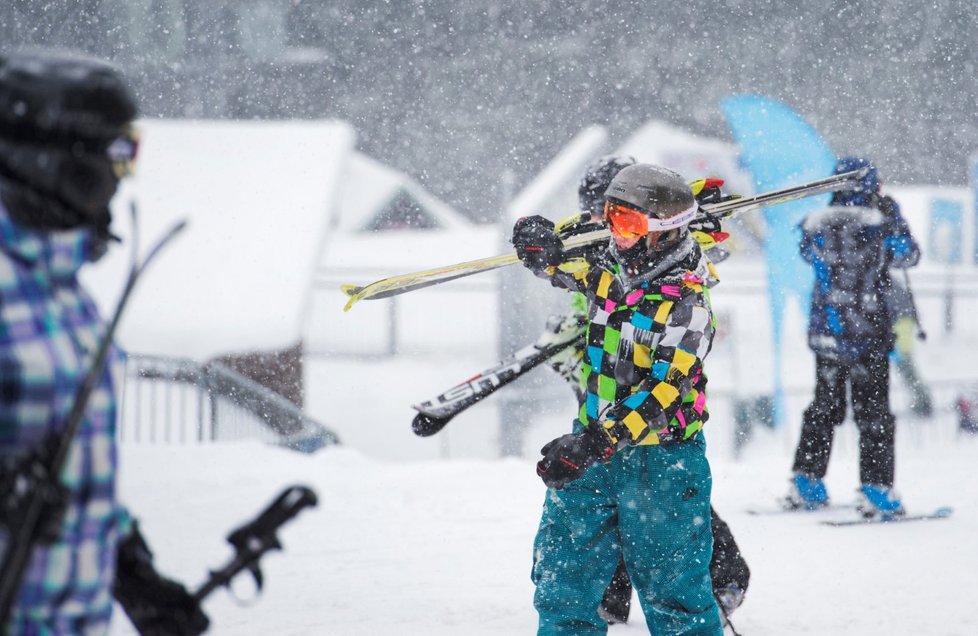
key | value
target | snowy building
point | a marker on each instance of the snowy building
(263, 201)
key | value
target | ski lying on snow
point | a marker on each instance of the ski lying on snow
(779, 510)
(940, 513)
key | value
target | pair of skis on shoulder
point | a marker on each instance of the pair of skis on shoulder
(709, 214)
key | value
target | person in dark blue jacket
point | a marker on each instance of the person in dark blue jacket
(851, 246)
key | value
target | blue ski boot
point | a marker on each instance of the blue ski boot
(807, 492)
(879, 501)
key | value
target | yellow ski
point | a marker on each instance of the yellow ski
(403, 283)
(395, 285)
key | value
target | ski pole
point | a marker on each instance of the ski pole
(921, 334)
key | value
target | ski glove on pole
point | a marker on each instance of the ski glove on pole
(536, 243)
(155, 604)
(566, 458)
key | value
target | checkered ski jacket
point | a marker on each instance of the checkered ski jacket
(645, 345)
(49, 329)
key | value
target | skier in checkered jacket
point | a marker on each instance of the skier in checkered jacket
(728, 568)
(633, 477)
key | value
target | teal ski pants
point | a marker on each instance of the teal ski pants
(652, 505)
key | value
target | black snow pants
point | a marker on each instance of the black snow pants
(868, 381)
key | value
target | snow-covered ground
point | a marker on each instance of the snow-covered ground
(444, 546)
(433, 536)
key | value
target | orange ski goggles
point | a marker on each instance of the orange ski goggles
(630, 223)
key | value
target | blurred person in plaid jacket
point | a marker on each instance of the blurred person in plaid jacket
(66, 140)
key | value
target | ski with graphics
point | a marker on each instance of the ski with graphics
(435, 413)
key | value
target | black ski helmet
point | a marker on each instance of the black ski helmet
(664, 197)
(64, 132)
(659, 192)
(597, 177)
(59, 96)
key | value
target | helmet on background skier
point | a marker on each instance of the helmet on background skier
(597, 177)
(649, 203)
(65, 138)
(867, 188)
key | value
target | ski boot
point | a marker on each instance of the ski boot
(806, 493)
(729, 598)
(879, 501)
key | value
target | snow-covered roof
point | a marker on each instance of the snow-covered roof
(368, 186)
(257, 197)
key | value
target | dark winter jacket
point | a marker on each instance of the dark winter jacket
(851, 249)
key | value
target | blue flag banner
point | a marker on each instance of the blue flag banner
(780, 149)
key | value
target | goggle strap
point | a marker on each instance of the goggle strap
(671, 223)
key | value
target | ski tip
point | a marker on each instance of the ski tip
(943, 511)
(424, 426)
(353, 292)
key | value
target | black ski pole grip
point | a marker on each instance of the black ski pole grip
(286, 506)
(257, 537)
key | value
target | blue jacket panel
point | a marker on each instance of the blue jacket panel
(851, 249)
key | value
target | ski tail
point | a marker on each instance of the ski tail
(437, 412)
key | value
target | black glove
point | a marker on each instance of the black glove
(536, 243)
(566, 458)
(157, 606)
(888, 207)
(23, 478)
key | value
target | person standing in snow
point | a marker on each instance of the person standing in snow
(729, 571)
(66, 140)
(633, 479)
(851, 246)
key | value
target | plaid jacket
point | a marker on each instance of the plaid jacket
(645, 345)
(49, 329)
